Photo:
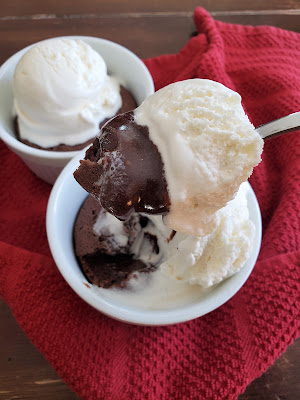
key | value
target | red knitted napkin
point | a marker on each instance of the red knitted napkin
(213, 357)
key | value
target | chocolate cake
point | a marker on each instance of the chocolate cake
(124, 170)
(103, 261)
(128, 104)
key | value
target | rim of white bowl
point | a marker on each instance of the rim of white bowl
(22, 147)
(223, 292)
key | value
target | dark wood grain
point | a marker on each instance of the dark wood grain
(143, 35)
(285, 21)
(147, 36)
(24, 372)
(148, 29)
(23, 8)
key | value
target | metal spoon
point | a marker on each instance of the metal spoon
(279, 126)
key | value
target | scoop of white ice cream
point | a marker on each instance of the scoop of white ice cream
(208, 260)
(62, 92)
(208, 147)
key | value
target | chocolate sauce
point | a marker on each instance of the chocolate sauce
(124, 170)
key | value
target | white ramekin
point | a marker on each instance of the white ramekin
(64, 203)
(120, 62)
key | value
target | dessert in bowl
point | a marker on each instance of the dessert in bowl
(139, 270)
(65, 201)
(58, 112)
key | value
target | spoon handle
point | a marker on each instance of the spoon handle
(279, 126)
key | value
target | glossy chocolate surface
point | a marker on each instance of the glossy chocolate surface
(123, 169)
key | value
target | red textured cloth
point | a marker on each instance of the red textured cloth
(218, 355)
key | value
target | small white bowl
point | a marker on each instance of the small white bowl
(120, 62)
(65, 201)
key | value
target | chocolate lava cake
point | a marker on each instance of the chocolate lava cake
(103, 261)
(128, 104)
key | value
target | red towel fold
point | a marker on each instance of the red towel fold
(218, 355)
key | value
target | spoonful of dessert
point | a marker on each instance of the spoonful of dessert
(183, 153)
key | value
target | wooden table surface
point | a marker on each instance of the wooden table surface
(148, 29)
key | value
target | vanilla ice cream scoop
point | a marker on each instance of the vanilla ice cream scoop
(200, 147)
(62, 92)
(207, 260)
(208, 147)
